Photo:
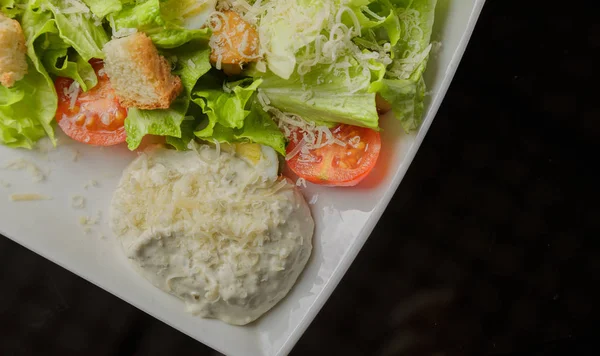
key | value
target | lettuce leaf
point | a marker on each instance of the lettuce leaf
(407, 98)
(193, 62)
(376, 16)
(188, 126)
(232, 115)
(10, 8)
(285, 38)
(401, 84)
(227, 108)
(57, 62)
(167, 122)
(26, 110)
(101, 8)
(411, 52)
(29, 108)
(258, 127)
(83, 34)
(163, 21)
(325, 96)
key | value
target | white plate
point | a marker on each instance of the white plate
(344, 217)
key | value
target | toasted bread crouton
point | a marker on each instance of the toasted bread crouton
(140, 77)
(233, 42)
(13, 64)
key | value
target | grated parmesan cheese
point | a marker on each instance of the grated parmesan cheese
(301, 182)
(29, 197)
(91, 184)
(20, 164)
(78, 202)
(90, 220)
(72, 92)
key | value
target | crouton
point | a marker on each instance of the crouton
(13, 64)
(140, 77)
(233, 42)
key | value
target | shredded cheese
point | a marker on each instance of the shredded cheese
(76, 155)
(78, 202)
(29, 197)
(90, 184)
(301, 182)
(72, 92)
(90, 220)
(20, 164)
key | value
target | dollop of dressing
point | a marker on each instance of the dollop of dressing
(223, 233)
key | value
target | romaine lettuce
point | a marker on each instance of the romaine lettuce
(26, 110)
(325, 95)
(232, 115)
(192, 63)
(24, 121)
(401, 84)
(377, 16)
(11, 8)
(57, 62)
(224, 107)
(289, 26)
(167, 122)
(165, 22)
(81, 32)
(101, 8)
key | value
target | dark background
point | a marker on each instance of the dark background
(490, 245)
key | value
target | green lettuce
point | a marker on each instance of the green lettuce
(285, 38)
(325, 96)
(26, 110)
(224, 107)
(59, 59)
(259, 127)
(26, 115)
(101, 8)
(167, 122)
(375, 16)
(10, 8)
(401, 83)
(192, 63)
(407, 99)
(79, 31)
(163, 21)
(187, 128)
(57, 62)
(232, 114)
(410, 53)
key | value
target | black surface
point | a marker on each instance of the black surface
(490, 245)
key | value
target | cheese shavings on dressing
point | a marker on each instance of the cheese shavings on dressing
(221, 232)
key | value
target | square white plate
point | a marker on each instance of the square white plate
(344, 217)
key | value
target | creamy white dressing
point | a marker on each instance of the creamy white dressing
(222, 233)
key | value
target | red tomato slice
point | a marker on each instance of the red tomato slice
(337, 165)
(95, 117)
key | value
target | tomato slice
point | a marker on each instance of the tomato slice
(94, 117)
(334, 164)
